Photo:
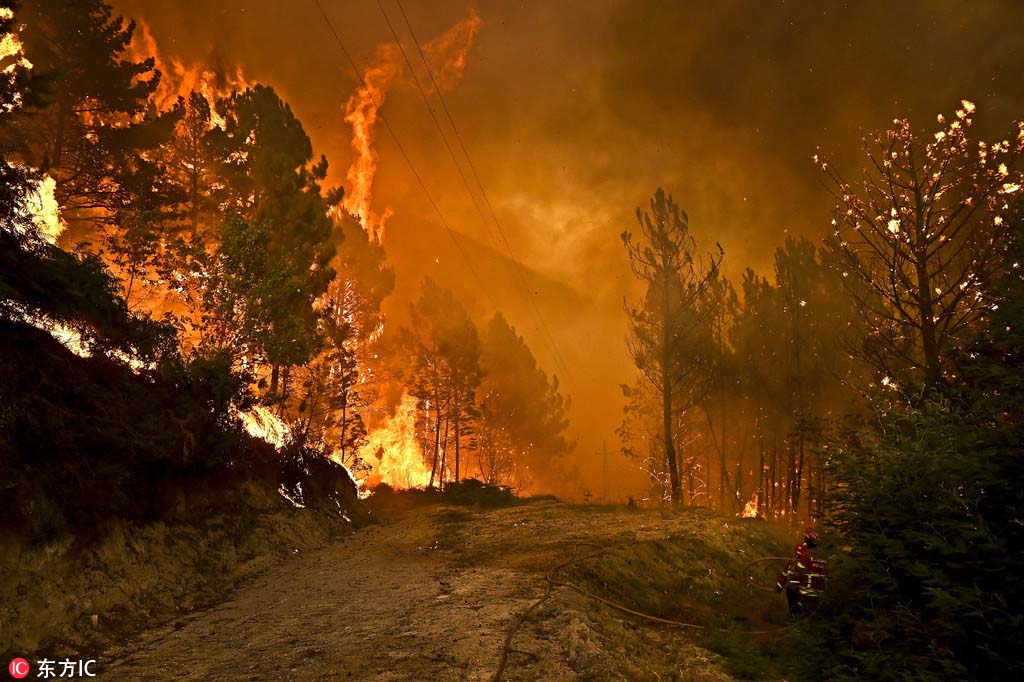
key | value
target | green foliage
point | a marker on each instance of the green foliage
(927, 508)
(252, 276)
(931, 583)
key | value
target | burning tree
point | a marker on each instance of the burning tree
(97, 116)
(664, 327)
(445, 374)
(338, 387)
(919, 236)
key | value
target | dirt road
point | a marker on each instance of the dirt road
(427, 594)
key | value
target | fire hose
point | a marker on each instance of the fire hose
(750, 579)
(552, 583)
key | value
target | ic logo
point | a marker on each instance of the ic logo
(19, 668)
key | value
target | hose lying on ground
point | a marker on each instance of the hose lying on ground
(750, 579)
(601, 550)
(552, 583)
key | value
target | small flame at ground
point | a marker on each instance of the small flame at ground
(750, 508)
(261, 423)
(394, 451)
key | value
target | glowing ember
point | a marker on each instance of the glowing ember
(394, 451)
(261, 423)
(750, 508)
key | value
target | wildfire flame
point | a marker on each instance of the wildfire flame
(42, 205)
(179, 79)
(261, 423)
(11, 46)
(447, 56)
(750, 508)
(12, 58)
(394, 451)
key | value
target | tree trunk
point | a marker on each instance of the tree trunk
(761, 487)
(458, 434)
(666, 397)
(437, 444)
(798, 478)
(929, 338)
(444, 450)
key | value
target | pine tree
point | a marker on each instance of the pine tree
(523, 416)
(663, 328)
(445, 374)
(96, 116)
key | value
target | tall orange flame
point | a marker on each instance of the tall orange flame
(179, 79)
(361, 113)
(447, 55)
(394, 452)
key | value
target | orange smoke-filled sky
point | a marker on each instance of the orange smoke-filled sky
(574, 112)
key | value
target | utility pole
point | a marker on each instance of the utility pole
(604, 469)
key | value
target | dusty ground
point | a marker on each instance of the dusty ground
(430, 594)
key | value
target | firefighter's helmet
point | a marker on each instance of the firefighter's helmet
(811, 538)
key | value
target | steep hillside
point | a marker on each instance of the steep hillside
(134, 501)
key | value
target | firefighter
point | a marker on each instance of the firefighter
(804, 578)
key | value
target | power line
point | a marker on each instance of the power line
(549, 339)
(405, 154)
(430, 108)
(458, 167)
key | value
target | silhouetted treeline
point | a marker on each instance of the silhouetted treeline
(757, 376)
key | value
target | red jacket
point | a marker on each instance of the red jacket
(805, 573)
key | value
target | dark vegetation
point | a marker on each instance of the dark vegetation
(468, 492)
(106, 448)
(891, 413)
(930, 515)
